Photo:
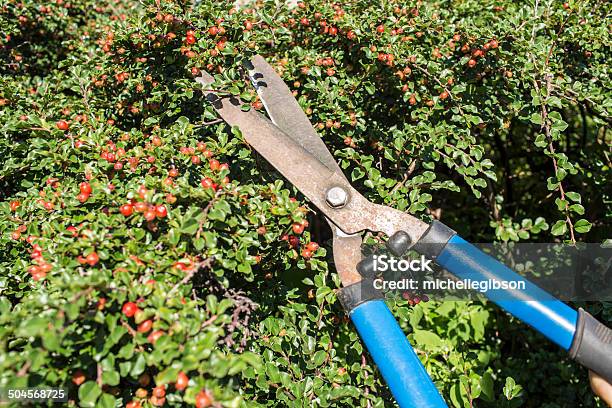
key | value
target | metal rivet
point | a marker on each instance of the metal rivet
(336, 197)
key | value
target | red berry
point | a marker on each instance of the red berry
(158, 402)
(149, 215)
(126, 209)
(142, 191)
(312, 246)
(161, 211)
(141, 206)
(92, 259)
(214, 164)
(159, 391)
(153, 337)
(306, 253)
(380, 29)
(62, 125)
(203, 400)
(145, 326)
(78, 377)
(472, 63)
(444, 95)
(85, 188)
(213, 31)
(297, 228)
(248, 25)
(207, 182)
(294, 241)
(82, 197)
(129, 309)
(133, 404)
(14, 205)
(190, 39)
(181, 381)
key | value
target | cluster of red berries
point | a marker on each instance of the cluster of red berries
(325, 62)
(386, 58)
(215, 166)
(131, 309)
(190, 38)
(90, 259)
(84, 192)
(158, 393)
(42, 267)
(149, 211)
(414, 299)
(477, 53)
(193, 152)
(115, 155)
(294, 241)
(310, 249)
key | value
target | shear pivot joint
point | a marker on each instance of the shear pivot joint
(336, 197)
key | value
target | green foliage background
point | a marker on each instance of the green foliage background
(514, 148)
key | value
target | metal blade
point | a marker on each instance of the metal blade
(313, 178)
(285, 111)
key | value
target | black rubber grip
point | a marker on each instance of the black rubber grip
(365, 267)
(353, 295)
(399, 243)
(434, 240)
(592, 345)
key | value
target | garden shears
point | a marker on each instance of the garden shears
(288, 141)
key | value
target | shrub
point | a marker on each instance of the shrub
(149, 256)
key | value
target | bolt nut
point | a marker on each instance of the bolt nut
(336, 197)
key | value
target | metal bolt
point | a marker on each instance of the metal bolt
(336, 197)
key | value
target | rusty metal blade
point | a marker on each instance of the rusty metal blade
(285, 111)
(311, 176)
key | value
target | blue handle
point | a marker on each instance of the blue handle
(401, 368)
(534, 306)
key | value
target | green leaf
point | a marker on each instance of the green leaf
(88, 394)
(486, 386)
(189, 226)
(582, 226)
(559, 228)
(427, 339)
(319, 357)
(536, 118)
(106, 401)
(138, 367)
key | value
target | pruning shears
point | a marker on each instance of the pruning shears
(288, 141)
